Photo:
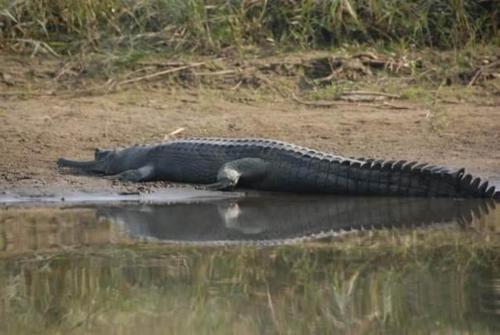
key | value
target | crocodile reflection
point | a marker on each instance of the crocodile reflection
(284, 220)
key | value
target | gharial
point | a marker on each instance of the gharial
(270, 165)
(270, 219)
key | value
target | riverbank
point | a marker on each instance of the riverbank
(383, 114)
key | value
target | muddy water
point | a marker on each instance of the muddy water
(210, 263)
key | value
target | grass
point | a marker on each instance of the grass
(72, 26)
(429, 76)
(112, 39)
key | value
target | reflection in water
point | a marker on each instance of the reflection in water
(251, 292)
(279, 220)
(113, 286)
(263, 220)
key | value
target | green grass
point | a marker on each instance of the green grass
(72, 26)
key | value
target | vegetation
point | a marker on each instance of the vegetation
(284, 290)
(204, 26)
(122, 42)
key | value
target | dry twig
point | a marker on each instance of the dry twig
(385, 104)
(173, 134)
(38, 45)
(360, 98)
(161, 64)
(160, 73)
(215, 73)
(318, 103)
(480, 71)
(325, 104)
(378, 94)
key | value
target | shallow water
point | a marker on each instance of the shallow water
(211, 263)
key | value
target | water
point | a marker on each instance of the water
(210, 263)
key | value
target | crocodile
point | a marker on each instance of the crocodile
(270, 219)
(271, 165)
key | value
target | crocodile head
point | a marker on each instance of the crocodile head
(99, 165)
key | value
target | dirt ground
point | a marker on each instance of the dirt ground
(37, 129)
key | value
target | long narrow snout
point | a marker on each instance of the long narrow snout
(86, 166)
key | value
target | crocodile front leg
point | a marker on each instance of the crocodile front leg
(141, 174)
(244, 170)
